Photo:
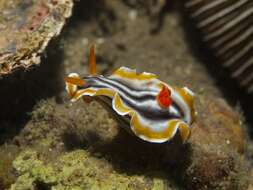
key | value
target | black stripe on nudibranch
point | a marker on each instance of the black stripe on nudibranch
(136, 99)
(226, 27)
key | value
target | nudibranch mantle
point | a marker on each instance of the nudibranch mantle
(132, 98)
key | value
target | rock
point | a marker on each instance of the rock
(207, 161)
(218, 145)
(219, 124)
(26, 28)
(251, 183)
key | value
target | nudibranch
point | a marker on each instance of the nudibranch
(144, 105)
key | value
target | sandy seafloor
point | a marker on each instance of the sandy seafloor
(49, 143)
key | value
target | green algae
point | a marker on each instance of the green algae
(7, 155)
(74, 170)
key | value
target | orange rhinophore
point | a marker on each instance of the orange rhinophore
(92, 61)
(164, 98)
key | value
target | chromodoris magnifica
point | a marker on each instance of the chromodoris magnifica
(141, 103)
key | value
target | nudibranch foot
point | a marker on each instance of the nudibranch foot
(149, 108)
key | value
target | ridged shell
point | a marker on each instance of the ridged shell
(227, 30)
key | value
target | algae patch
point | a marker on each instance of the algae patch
(7, 155)
(74, 170)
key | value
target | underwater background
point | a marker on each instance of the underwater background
(48, 142)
